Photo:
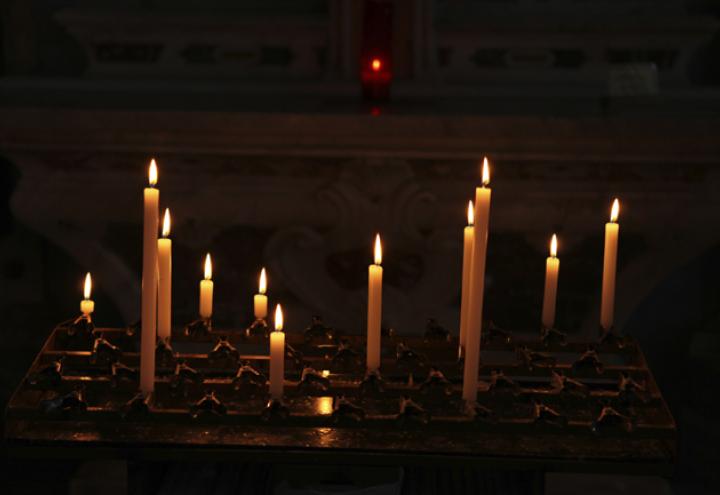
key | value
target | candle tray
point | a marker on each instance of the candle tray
(567, 401)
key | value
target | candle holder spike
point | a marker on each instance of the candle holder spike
(295, 356)
(480, 413)
(610, 419)
(103, 351)
(407, 358)
(164, 354)
(208, 406)
(183, 376)
(275, 410)
(258, 328)
(317, 331)
(249, 381)
(436, 382)
(589, 360)
(201, 327)
(631, 391)
(312, 382)
(493, 333)
(81, 326)
(345, 411)
(611, 337)
(502, 384)
(387, 332)
(120, 372)
(436, 332)
(48, 376)
(372, 384)
(532, 359)
(546, 415)
(552, 336)
(224, 352)
(65, 405)
(561, 384)
(138, 407)
(411, 412)
(346, 358)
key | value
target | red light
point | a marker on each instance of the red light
(376, 64)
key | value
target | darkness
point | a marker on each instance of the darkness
(281, 145)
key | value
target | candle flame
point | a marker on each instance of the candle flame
(208, 267)
(278, 318)
(376, 64)
(553, 246)
(471, 213)
(615, 211)
(152, 173)
(378, 250)
(263, 282)
(485, 172)
(88, 286)
(166, 223)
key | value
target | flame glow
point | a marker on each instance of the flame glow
(378, 250)
(166, 223)
(208, 267)
(615, 210)
(278, 318)
(553, 246)
(152, 173)
(376, 64)
(485, 172)
(262, 289)
(471, 213)
(88, 286)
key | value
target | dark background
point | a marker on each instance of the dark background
(270, 156)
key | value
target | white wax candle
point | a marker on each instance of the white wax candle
(165, 280)
(612, 231)
(206, 291)
(87, 305)
(149, 283)
(477, 287)
(277, 356)
(552, 271)
(375, 274)
(468, 238)
(260, 301)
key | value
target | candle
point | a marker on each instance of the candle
(260, 300)
(206, 291)
(375, 274)
(468, 238)
(149, 282)
(477, 287)
(87, 305)
(612, 230)
(165, 280)
(277, 356)
(552, 270)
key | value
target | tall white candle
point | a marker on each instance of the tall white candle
(260, 301)
(552, 271)
(165, 280)
(277, 356)
(87, 305)
(206, 291)
(374, 319)
(468, 239)
(149, 282)
(477, 287)
(612, 232)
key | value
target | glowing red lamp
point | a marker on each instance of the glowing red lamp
(376, 50)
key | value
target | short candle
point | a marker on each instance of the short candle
(164, 324)
(468, 240)
(612, 232)
(206, 291)
(552, 270)
(260, 301)
(87, 305)
(374, 315)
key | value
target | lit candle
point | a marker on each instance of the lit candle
(206, 291)
(477, 287)
(612, 231)
(87, 305)
(468, 237)
(552, 270)
(277, 356)
(165, 280)
(375, 274)
(261, 301)
(149, 282)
